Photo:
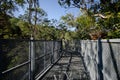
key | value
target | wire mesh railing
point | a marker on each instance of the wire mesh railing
(25, 59)
(30, 59)
(102, 58)
(14, 59)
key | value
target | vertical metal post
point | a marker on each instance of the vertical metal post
(100, 62)
(52, 55)
(32, 59)
(45, 55)
(61, 48)
(1, 52)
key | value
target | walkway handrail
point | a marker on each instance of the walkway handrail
(16, 67)
(25, 63)
(42, 74)
(48, 53)
(22, 64)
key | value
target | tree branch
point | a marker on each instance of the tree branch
(100, 15)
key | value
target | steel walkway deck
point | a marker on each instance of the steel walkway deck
(69, 67)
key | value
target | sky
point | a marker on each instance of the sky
(53, 9)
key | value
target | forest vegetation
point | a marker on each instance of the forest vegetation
(99, 18)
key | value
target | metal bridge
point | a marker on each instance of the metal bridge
(41, 60)
(60, 60)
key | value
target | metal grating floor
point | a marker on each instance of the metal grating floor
(69, 67)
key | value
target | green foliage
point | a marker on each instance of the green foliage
(34, 20)
(17, 53)
(111, 23)
(114, 34)
(25, 28)
(76, 3)
(9, 6)
(85, 24)
(107, 27)
(69, 20)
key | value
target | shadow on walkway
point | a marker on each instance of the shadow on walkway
(69, 67)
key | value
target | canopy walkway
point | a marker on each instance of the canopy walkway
(59, 60)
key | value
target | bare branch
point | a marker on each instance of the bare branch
(100, 15)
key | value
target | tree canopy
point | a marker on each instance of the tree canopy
(105, 14)
(98, 17)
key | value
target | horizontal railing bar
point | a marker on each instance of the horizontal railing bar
(102, 40)
(22, 64)
(16, 67)
(30, 40)
(48, 40)
(42, 74)
(42, 56)
(48, 53)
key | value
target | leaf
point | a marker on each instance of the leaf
(6, 36)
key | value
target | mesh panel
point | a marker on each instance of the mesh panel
(13, 53)
(110, 61)
(47, 53)
(102, 58)
(21, 73)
